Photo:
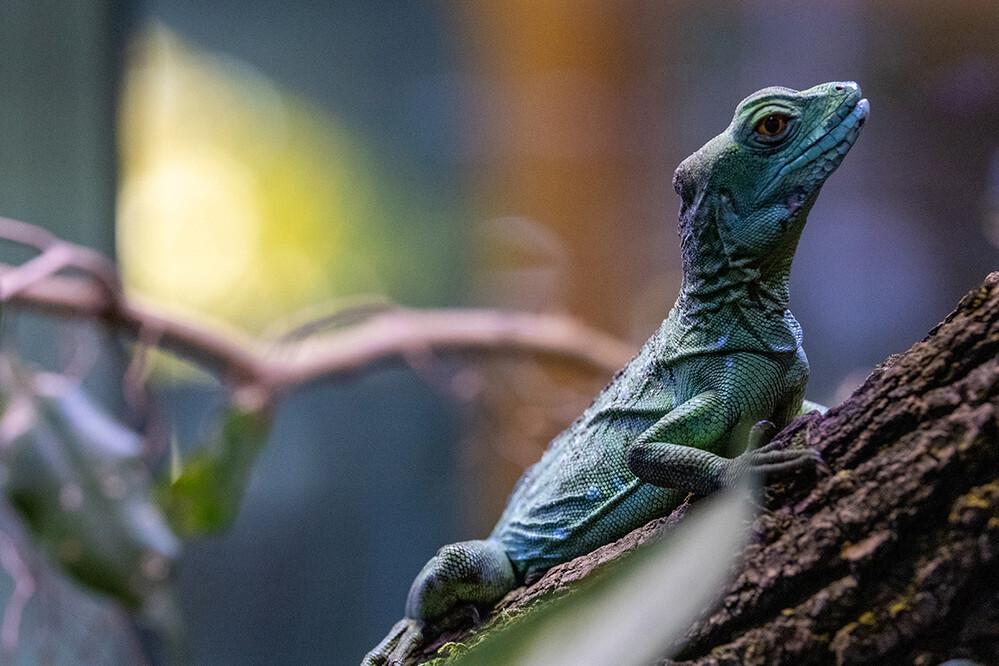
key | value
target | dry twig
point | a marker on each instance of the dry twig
(24, 588)
(266, 371)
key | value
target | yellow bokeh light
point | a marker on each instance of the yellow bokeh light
(212, 228)
(236, 199)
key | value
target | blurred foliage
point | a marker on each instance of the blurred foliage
(80, 483)
(247, 202)
(634, 608)
(204, 492)
(50, 619)
(231, 190)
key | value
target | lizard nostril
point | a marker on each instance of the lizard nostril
(838, 88)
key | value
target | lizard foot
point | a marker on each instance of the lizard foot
(765, 457)
(690, 469)
(401, 642)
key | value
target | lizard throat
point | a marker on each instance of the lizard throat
(743, 289)
(713, 280)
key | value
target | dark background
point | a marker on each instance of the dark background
(543, 136)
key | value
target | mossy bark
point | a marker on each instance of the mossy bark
(891, 557)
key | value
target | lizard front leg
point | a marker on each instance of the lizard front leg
(672, 453)
(460, 575)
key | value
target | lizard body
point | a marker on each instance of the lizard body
(724, 369)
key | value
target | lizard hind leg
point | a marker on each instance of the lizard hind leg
(464, 575)
(469, 572)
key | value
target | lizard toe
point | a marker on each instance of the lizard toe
(769, 460)
(761, 434)
(395, 648)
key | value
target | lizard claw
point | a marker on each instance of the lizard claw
(820, 465)
(764, 456)
(400, 643)
(770, 459)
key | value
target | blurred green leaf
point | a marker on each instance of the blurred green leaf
(78, 480)
(204, 497)
(633, 611)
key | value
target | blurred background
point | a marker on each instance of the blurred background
(246, 160)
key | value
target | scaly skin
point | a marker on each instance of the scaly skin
(726, 367)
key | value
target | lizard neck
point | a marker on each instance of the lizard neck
(745, 287)
(712, 280)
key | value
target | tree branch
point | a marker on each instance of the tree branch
(891, 557)
(274, 369)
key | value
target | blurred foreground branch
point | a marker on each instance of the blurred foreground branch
(264, 371)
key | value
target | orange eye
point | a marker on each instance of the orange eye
(772, 126)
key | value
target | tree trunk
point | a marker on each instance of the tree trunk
(889, 558)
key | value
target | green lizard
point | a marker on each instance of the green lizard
(725, 369)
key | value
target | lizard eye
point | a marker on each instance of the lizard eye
(772, 126)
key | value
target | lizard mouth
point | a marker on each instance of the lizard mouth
(830, 149)
(821, 157)
(837, 139)
(863, 108)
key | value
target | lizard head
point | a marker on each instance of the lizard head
(759, 178)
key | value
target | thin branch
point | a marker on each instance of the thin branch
(55, 255)
(273, 369)
(24, 588)
(26, 234)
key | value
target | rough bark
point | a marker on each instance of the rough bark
(889, 558)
